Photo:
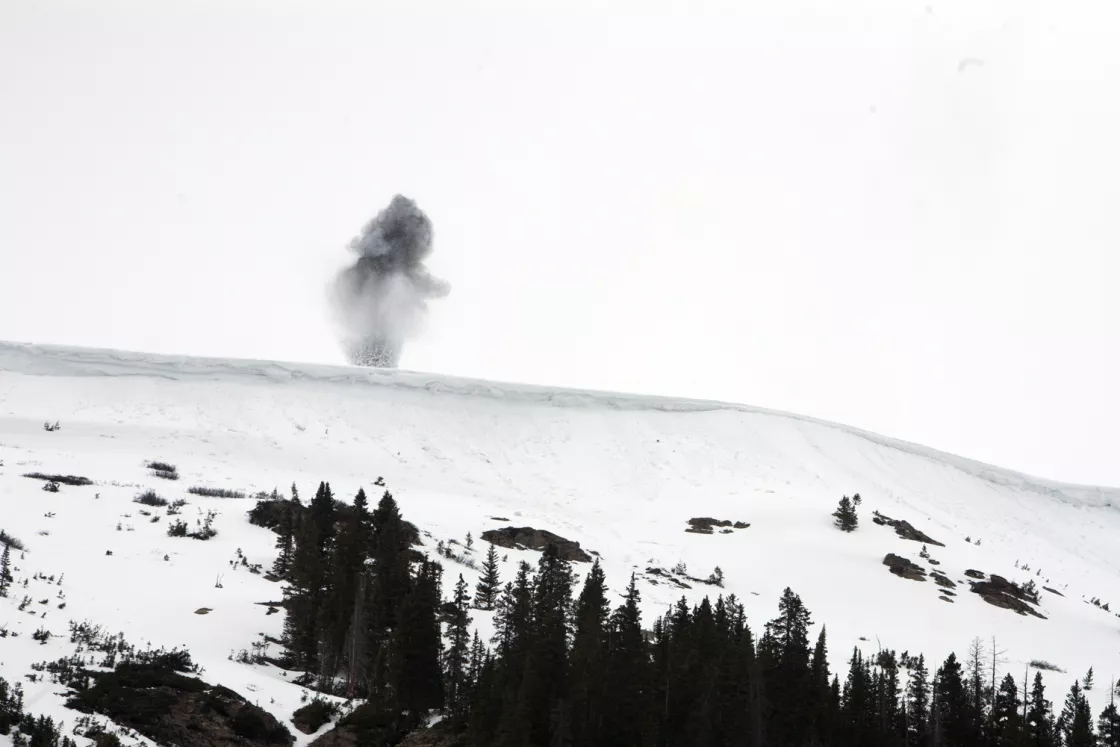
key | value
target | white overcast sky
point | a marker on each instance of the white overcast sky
(900, 215)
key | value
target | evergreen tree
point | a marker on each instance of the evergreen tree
(416, 645)
(625, 701)
(285, 535)
(304, 596)
(344, 570)
(817, 699)
(490, 585)
(788, 678)
(1087, 683)
(1006, 721)
(956, 720)
(845, 515)
(5, 570)
(1108, 726)
(546, 674)
(589, 659)
(1076, 720)
(917, 704)
(457, 658)
(1039, 727)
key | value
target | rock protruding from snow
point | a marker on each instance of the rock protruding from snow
(906, 530)
(515, 538)
(707, 525)
(904, 568)
(1000, 592)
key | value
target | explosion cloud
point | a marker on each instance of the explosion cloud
(381, 300)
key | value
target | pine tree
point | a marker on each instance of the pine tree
(285, 535)
(1087, 682)
(1076, 720)
(817, 698)
(416, 645)
(788, 678)
(845, 515)
(490, 585)
(1006, 722)
(5, 570)
(344, 570)
(589, 659)
(917, 704)
(1040, 718)
(1108, 726)
(304, 596)
(546, 674)
(625, 701)
(955, 716)
(456, 659)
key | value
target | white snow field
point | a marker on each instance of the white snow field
(620, 474)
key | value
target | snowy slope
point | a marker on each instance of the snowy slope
(618, 473)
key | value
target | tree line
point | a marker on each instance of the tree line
(365, 618)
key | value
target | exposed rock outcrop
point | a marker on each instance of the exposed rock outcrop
(1000, 592)
(905, 530)
(904, 568)
(708, 525)
(527, 538)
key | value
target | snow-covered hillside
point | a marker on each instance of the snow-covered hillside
(620, 474)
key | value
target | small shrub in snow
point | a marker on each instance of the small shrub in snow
(716, 579)
(177, 528)
(313, 716)
(50, 487)
(72, 480)
(50, 427)
(150, 498)
(214, 492)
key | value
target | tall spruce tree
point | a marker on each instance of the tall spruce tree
(456, 658)
(957, 720)
(286, 534)
(845, 515)
(917, 704)
(587, 670)
(817, 698)
(626, 704)
(1076, 720)
(1006, 722)
(490, 585)
(1040, 717)
(788, 678)
(1108, 726)
(417, 647)
(344, 570)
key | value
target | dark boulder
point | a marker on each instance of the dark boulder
(904, 568)
(1000, 592)
(527, 538)
(905, 530)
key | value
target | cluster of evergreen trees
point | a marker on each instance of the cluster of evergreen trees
(365, 618)
(25, 729)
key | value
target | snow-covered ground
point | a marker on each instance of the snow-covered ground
(620, 474)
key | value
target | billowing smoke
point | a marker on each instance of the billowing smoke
(382, 299)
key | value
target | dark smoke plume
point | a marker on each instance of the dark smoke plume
(381, 300)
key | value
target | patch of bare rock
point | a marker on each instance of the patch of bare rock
(527, 538)
(905, 529)
(1000, 592)
(904, 568)
(708, 525)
